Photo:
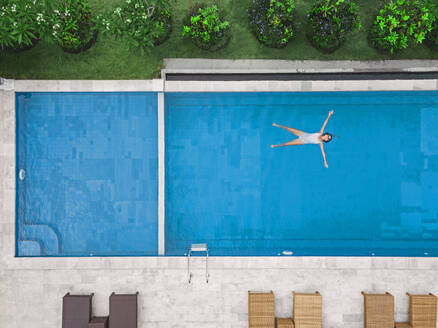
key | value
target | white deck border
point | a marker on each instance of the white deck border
(258, 66)
(155, 85)
(300, 86)
(201, 65)
(221, 86)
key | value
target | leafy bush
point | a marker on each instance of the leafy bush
(74, 27)
(206, 27)
(21, 24)
(271, 21)
(330, 21)
(400, 23)
(432, 37)
(143, 24)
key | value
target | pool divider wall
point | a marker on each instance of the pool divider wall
(161, 175)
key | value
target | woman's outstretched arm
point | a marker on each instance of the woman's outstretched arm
(325, 122)
(323, 154)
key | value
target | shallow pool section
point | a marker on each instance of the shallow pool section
(225, 186)
(86, 174)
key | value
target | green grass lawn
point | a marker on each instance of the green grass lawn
(110, 59)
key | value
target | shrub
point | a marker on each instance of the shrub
(206, 27)
(21, 24)
(330, 21)
(399, 24)
(142, 24)
(271, 21)
(432, 37)
(74, 27)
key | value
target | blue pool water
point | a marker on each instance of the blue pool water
(88, 163)
(225, 186)
(90, 184)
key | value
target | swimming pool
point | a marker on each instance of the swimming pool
(227, 187)
(87, 174)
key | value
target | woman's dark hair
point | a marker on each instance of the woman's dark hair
(328, 134)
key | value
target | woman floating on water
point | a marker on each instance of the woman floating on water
(308, 138)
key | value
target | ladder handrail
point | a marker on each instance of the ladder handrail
(198, 248)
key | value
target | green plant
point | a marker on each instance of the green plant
(399, 24)
(73, 25)
(271, 21)
(143, 24)
(432, 37)
(330, 21)
(21, 23)
(206, 27)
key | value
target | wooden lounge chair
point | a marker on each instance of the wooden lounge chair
(261, 310)
(307, 310)
(284, 323)
(422, 312)
(98, 322)
(378, 310)
(76, 310)
(123, 310)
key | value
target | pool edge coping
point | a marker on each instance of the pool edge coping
(159, 85)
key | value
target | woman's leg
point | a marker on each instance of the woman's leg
(290, 143)
(294, 131)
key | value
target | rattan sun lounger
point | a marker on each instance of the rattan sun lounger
(422, 312)
(307, 310)
(378, 310)
(402, 325)
(284, 323)
(261, 310)
(76, 310)
(123, 310)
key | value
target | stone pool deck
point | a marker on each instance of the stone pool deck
(31, 289)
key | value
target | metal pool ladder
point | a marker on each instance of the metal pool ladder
(198, 248)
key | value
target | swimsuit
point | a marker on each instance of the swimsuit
(310, 138)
